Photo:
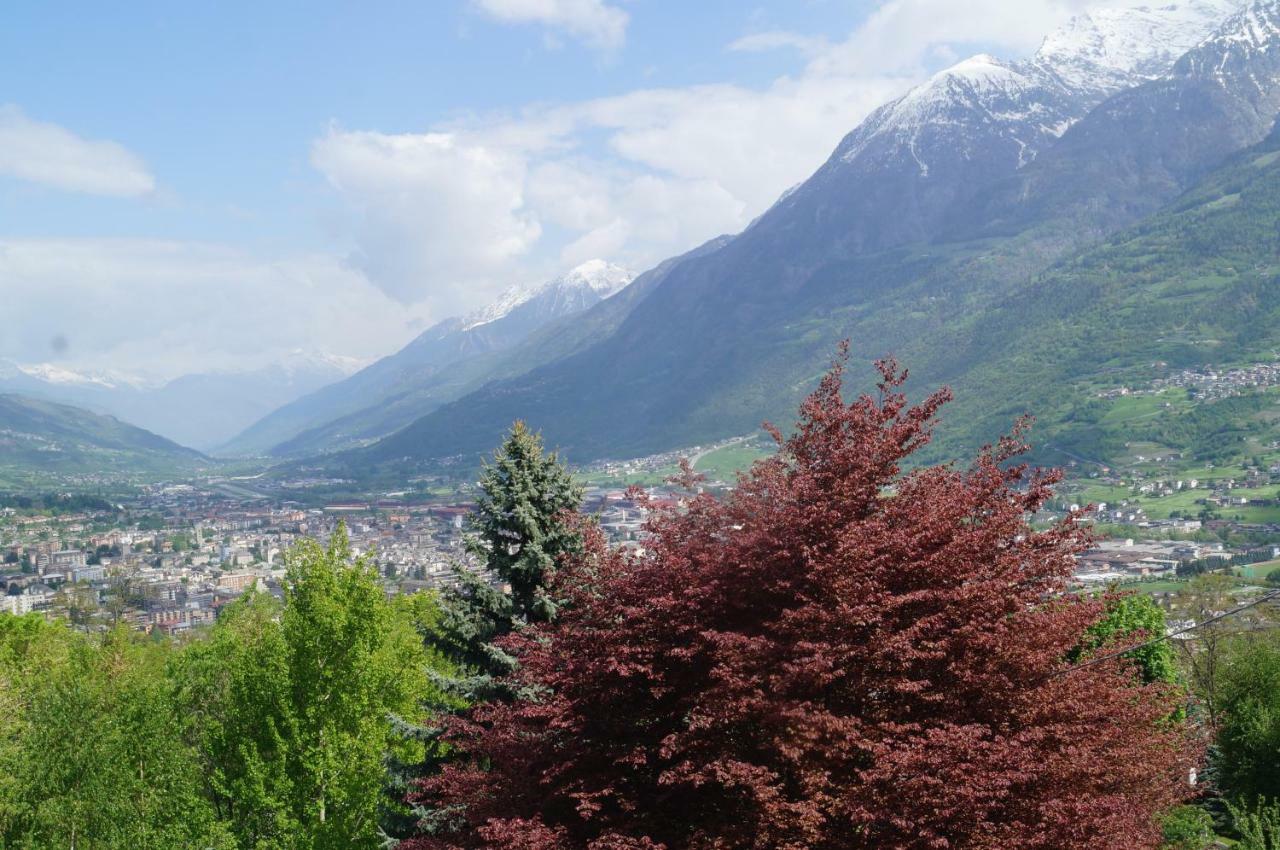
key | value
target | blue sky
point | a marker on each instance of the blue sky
(229, 183)
(223, 100)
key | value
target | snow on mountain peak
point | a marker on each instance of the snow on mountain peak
(601, 277)
(1034, 101)
(51, 373)
(1254, 29)
(1125, 45)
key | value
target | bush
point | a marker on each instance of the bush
(1186, 828)
(1259, 828)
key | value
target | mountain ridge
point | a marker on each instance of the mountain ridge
(732, 338)
(366, 405)
(39, 437)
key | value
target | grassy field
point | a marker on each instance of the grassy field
(1258, 571)
(724, 463)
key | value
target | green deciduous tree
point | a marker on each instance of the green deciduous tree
(236, 686)
(1131, 618)
(94, 753)
(297, 703)
(1247, 759)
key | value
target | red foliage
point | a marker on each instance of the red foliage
(839, 655)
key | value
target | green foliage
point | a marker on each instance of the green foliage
(1247, 762)
(236, 686)
(1258, 827)
(352, 664)
(1131, 618)
(93, 753)
(295, 705)
(1186, 828)
(271, 732)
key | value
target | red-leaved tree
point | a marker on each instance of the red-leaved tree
(837, 655)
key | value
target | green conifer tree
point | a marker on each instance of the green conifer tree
(521, 528)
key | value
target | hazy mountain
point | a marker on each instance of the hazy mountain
(199, 410)
(428, 371)
(41, 437)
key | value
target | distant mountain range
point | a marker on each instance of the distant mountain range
(1037, 233)
(928, 221)
(41, 437)
(198, 410)
(448, 359)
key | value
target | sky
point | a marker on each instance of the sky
(193, 187)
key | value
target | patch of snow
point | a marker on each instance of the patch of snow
(1137, 43)
(301, 360)
(1035, 101)
(601, 277)
(54, 374)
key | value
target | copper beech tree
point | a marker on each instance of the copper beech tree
(839, 654)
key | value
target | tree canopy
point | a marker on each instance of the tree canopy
(840, 654)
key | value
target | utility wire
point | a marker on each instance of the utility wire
(1170, 636)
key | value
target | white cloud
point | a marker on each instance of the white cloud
(901, 35)
(594, 21)
(441, 215)
(160, 309)
(50, 155)
(450, 217)
(759, 42)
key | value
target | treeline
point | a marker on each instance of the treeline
(838, 654)
(57, 503)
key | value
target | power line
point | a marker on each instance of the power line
(1170, 636)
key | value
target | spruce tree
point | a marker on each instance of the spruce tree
(521, 529)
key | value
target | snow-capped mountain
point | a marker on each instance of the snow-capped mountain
(905, 173)
(592, 281)
(57, 374)
(1033, 101)
(1246, 47)
(399, 388)
(1119, 47)
(1148, 143)
(944, 204)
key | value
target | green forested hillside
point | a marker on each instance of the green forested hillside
(43, 438)
(1195, 287)
(1017, 324)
